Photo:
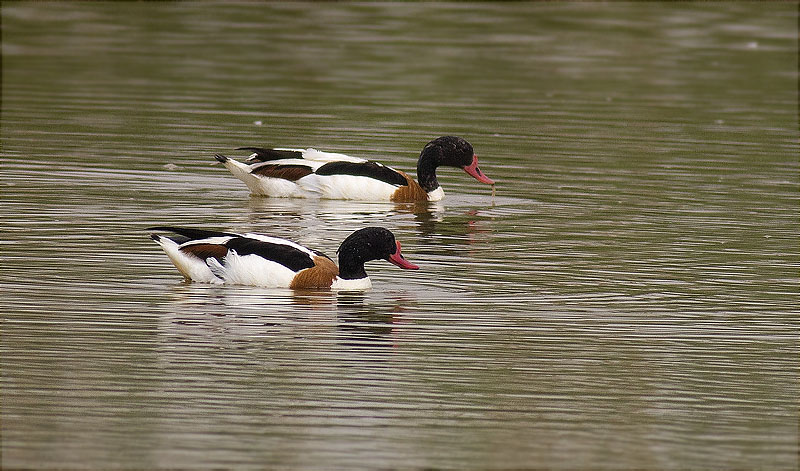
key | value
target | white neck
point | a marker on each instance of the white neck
(359, 284)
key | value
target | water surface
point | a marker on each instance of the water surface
(628, 299)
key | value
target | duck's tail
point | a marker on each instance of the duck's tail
(192, 268)
(242, 172)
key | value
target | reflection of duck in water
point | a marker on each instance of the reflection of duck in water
(457, 225)
(258, 260)
(370, 323)
(311, 214)
(308, 173)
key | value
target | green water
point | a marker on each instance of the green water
(627, 300)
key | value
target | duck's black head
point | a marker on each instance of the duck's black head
(451, 151)
(370, 243)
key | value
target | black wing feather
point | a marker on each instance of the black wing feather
(294, 259)
(264, 155)
(363, 169)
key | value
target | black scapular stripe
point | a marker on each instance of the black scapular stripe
(363, 169)
(264, 155)
(290, 257)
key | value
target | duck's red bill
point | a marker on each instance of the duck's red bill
(476, 173)
(398, 259)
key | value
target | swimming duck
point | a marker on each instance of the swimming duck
(309, 173)
(259, 260)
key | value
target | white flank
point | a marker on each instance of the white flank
(191, 267)
(436, 195)
(252, 270)
(360, 284)
(347, 187)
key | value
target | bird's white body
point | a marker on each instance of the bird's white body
(260, 260)
(348, 187)
(251, 270)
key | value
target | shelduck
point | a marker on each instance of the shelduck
(310, 173)
(259, 260)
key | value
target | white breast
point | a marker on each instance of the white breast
(436, 195)
(360, 284)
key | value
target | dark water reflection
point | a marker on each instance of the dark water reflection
(628, 299)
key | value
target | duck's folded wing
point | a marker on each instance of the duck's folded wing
(368, 169)
(256, 262)
(288, 254)
(261, 154)
(288, 169)
(190, 234)
(321, 156)
(314, 176)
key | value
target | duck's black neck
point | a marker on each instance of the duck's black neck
(426, 169)
(363, 245)
(351, 264)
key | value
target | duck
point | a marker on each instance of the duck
(219, 257)
(310, 173)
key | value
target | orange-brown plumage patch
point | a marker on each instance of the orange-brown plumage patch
(321, 275)
(286, 172)
(204, 251)
(410, 193)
